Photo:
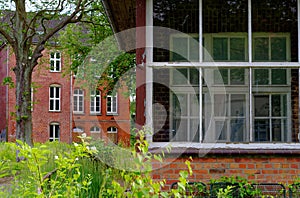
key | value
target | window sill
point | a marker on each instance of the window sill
(228, 149)
(112, 114)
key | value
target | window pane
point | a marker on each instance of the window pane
(277, 16)
(57, 66)
(51, 92)
(221, 76)
(181, 108)
(57, 105)
(277, 125)
(261, 49)
(237, 49)
(279, 77)
(179, 15)
(261, 130)
(220, 101)
(194, 49)
(179, 49)
(52, 105)
(56, 92)
(220, 49)
(261, 104)
(194, 76)
(279, 105)
(58, 55)
(261, 77)
(238, 104)
(180, 130)
(194, 105)
(194, 130)
(237, 76)
(278, 49)
(237, 130)
(180, 76)
(221, 130)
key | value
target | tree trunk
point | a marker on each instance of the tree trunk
(23, 74)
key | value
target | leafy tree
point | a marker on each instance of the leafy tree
(27, 27)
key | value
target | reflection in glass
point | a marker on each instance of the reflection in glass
(261, 130)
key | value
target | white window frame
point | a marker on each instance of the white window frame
(94, 95)
(78, 129)
(95, 129)
(112, 129)
(56, 60)
(55, 131)
(113, 104)
(201, 64)
(78, 97)
(55, 98)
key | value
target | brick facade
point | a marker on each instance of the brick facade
(259, 168)
(42, 117)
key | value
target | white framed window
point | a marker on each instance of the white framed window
(55, 61)
(112, 104)
(54, 132)
(54, 97)
(95, 102)
(246, 65)
(95, 129)
(78, 101)
(225, 47)
(112, 130)
(271, 47)
(78, 129)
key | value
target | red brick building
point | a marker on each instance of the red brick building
(61, 109)
(219, 81)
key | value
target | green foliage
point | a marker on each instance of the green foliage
(8, 81)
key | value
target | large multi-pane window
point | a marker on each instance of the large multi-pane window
(95, 102)
(224, 71)
(54, 132)
(55, 62)
(78, 101)
(54, 97)
(112, 104)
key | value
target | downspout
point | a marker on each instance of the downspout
(71, 105)
(6, 92)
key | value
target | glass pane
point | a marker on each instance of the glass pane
(221, 130)
(180, 77)
(220, 101)
(52, 54)
(237, 76)
(51, 92)
(57, 105)
(279, 77)
(57, 66)
(194, 105)
(194, 76)
(237, 49)
(261, 105)
(194, 130)
(181, 108)
(261, 130)
(221, 76)
(279, 105)
(261, 49)
(278, 49)
(277, 16)
(237, 130)
(225, 16)
(220, 49)
(52, 64)
(179, 49)
(58, 55)
(51, 105)
(261, 77)
(180, 130)
(277, 125)
(194, 49)
(238, 104)
(56, 92)
(177, 16)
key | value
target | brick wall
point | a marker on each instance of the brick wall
(257, 168)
